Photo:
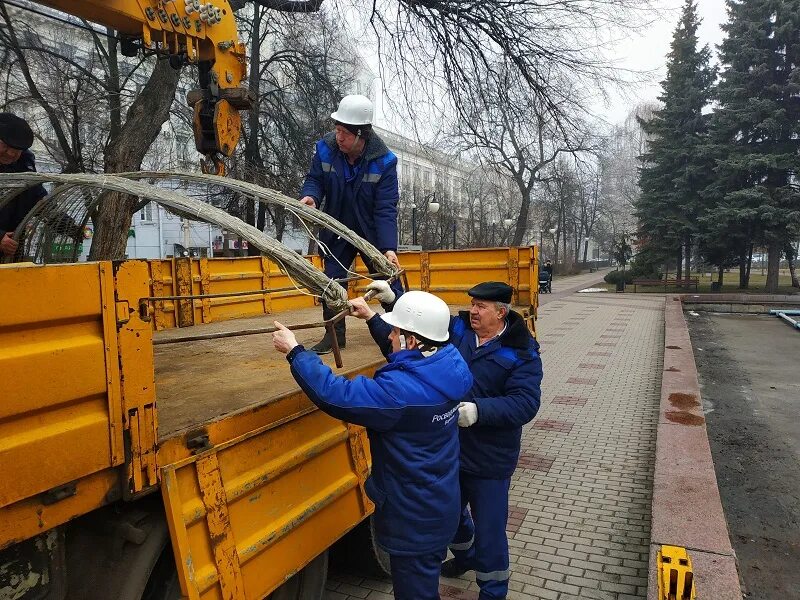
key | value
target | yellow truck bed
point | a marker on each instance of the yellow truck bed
(205, 380)
(255, 481)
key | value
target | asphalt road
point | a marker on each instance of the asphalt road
(749, 371)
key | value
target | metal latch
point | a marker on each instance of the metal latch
(198, 441)
(123, 312)
(58, 493)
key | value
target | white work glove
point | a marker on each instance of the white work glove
(467, 414)
(382, 291)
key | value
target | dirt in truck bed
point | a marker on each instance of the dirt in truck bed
(199, 381)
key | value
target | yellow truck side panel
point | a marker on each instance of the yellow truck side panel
(450, 273)
(61, 378)
(219, 276)
(248, 512)
(447, 273)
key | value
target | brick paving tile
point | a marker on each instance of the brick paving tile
(550, 425)
(516, 517)
(534, 462)
(591, 366)
(448, 592)
(583, 380)
(579, 513)
(570, 400)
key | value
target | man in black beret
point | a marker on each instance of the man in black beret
(16, 138)
(506, 369)
(504, 360)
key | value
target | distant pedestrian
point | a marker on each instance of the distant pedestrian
(548, 268)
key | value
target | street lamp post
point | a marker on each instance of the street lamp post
(414, 224)
(507, 222)
(433, 208)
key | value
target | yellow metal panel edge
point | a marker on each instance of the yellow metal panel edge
(177, 533)
(205, 288)
(265, 278)
(215, 501)
(360, 463)
(112, 363)
(27, 518)
(300, 514)
(135, 342)
(268, 472)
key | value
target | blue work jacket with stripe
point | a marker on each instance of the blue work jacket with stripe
(410, 410)
(367, 203)
(507, 375)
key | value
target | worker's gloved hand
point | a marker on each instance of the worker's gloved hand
(467, 414)
(308, 201)
(382, 291)
(283, 339)
(359, 308)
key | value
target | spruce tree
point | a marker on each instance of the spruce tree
(756, 131)
(676, 168)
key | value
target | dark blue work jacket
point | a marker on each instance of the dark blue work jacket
(12, 214)
(507, 375)
(368, 202)
(410, 410)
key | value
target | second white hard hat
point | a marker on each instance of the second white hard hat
(354, 109)
(421, 313)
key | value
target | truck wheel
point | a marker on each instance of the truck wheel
(308, 584)
(358, 553)
(163, 583)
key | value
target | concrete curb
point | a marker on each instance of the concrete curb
(738, 303)
(687, 510)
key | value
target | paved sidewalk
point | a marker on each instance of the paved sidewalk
(579, 523)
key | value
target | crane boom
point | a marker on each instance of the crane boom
(202, 33)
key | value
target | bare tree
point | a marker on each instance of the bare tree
(517, 134)
(443, 48)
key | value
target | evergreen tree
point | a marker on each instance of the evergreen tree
(756, 131)
(676, 167)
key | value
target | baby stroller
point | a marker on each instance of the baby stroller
(545, 282)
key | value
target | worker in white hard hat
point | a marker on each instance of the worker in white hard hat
(506, 368)
(410, 409)
(353, 178)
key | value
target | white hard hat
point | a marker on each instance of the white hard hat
(354, 109)
(421, 313)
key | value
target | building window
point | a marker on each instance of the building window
(146, 214)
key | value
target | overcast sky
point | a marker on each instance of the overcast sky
(647, 52)
(643, 52)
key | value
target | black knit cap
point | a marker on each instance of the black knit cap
(496, 291)
(362, 130)
(15, 132)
